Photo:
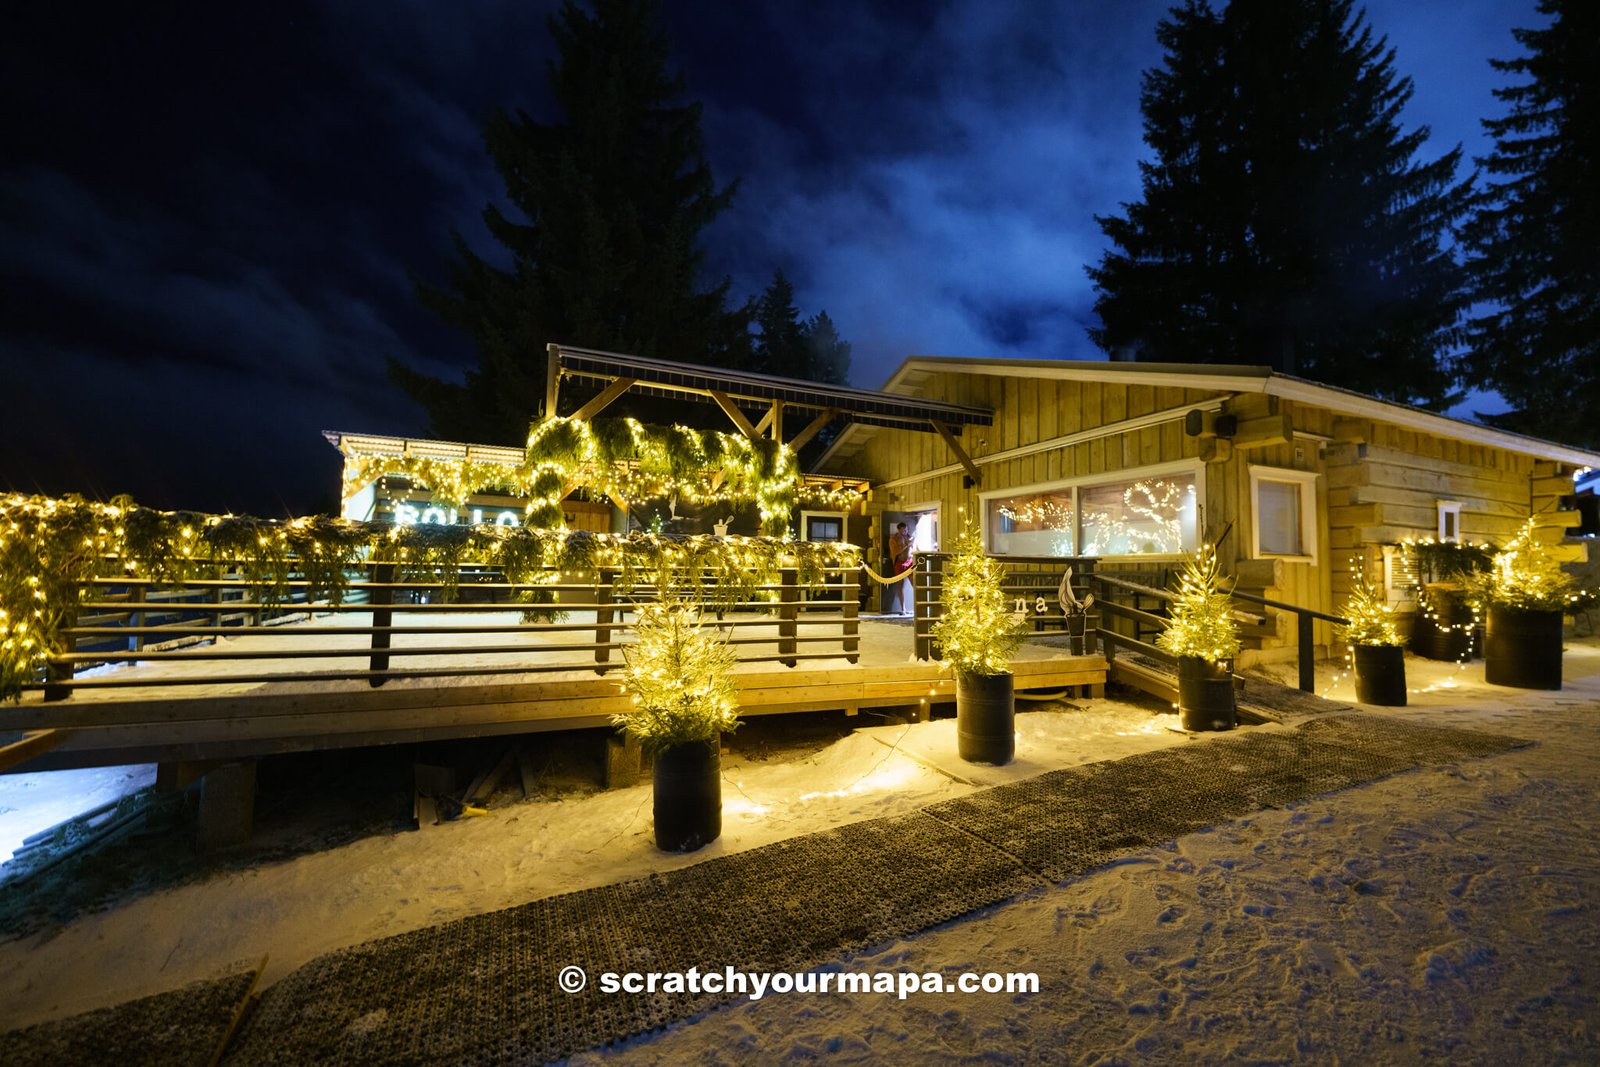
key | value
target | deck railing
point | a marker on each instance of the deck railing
(396, 626)
(1033, 582)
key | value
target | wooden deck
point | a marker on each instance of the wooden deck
(161, 719)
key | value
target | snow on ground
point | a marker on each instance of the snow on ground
(30, 803)
(1447, 914)
(376, 886)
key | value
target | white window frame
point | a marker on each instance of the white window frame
(844, 533)
(1195, 467)
(1307, 480)
(1452, 508)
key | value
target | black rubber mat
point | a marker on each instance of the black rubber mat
(1067, 822)
(184, 1026)
(484, 990)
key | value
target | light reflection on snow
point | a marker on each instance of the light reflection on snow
(881, 779)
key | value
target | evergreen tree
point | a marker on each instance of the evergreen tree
(608, 207)
(827, 354)
(1284, 219)
(779, 347)
(1532, 241)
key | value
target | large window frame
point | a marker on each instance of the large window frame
(1307, 481)
(1075, 485)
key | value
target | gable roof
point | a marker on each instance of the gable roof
(1223, 378)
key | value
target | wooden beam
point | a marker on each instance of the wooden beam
(766, 421)
(552, 379)
(813, 429)
(28, 746)
(1264, 431)
(777, 420)
(961, 454)
(603, 399)
(730, 409)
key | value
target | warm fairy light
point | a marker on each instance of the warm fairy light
(679, 673)
(979, 632)
(1201, 622)
(51, 550)
(1526, 575)
(1372, 620)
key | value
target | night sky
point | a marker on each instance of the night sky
(210, 214)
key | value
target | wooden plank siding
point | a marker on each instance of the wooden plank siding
(1377, 483)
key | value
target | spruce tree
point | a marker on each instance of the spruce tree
(1533, 238)
(1284, 218)
(606, 209)
(779, 347)
(827, 354)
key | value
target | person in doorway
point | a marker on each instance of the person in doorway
(900, 557)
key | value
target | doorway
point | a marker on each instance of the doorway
(922, 523)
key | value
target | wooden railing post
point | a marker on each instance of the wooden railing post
(851, 592)
(1307, 651)
(926, 603)
(788, 613)
(604, 595)
(136, 616)
(58, 675)
(381, 598)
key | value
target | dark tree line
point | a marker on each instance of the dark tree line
(606, 211)
(1287, 219)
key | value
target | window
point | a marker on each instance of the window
(821, 526)
(1449, 520)
(1148, 512)
(1285, 506)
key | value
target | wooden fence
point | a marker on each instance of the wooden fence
(1032, 582)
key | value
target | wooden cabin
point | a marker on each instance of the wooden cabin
(1136, 463)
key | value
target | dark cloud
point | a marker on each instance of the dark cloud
(211, 215)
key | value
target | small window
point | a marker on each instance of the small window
(823, 526)
(1449, 520)
(1285, 505)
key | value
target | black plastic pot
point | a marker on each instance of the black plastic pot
(1205, 695)
(1523, 648)
(1380, 675)
(688, 796)
(1448, 638)
(985, 718)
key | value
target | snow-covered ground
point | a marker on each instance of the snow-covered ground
(30, 803)
(1445, 913)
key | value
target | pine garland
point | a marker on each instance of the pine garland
(1201, 622)
(978, 633)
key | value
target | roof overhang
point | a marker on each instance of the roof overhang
(367, 444)
(866, 407)
(1229, 378)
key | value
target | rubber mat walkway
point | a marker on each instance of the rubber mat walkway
(484, 990)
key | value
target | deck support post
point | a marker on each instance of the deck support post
(623, 761)
(1307, 652)
(851, 594)
(227, 804)
(925, 603)
(58, 675)
(603, 617)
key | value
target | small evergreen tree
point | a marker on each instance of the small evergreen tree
(1533, 238)
(779, 347)
(827, 354)
(1284, 218)
(978, 633)
(679, 673)
(1201, 617)
(606, 210)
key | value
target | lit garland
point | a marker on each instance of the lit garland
(1372, 620)
(628, 460)
(1201, 622)
(978, 632)
(451, 481)
(50, 550)
(679, 673)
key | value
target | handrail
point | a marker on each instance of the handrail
(1281, 606)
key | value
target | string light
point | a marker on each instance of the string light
(679, 674)
(978, 633)
(1201, 622)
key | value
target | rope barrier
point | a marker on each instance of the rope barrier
(881, 580)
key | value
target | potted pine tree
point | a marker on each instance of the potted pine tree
(1527, 594)
(1376, 647)
(679, 673)
(1202, 634)
(978, 634)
